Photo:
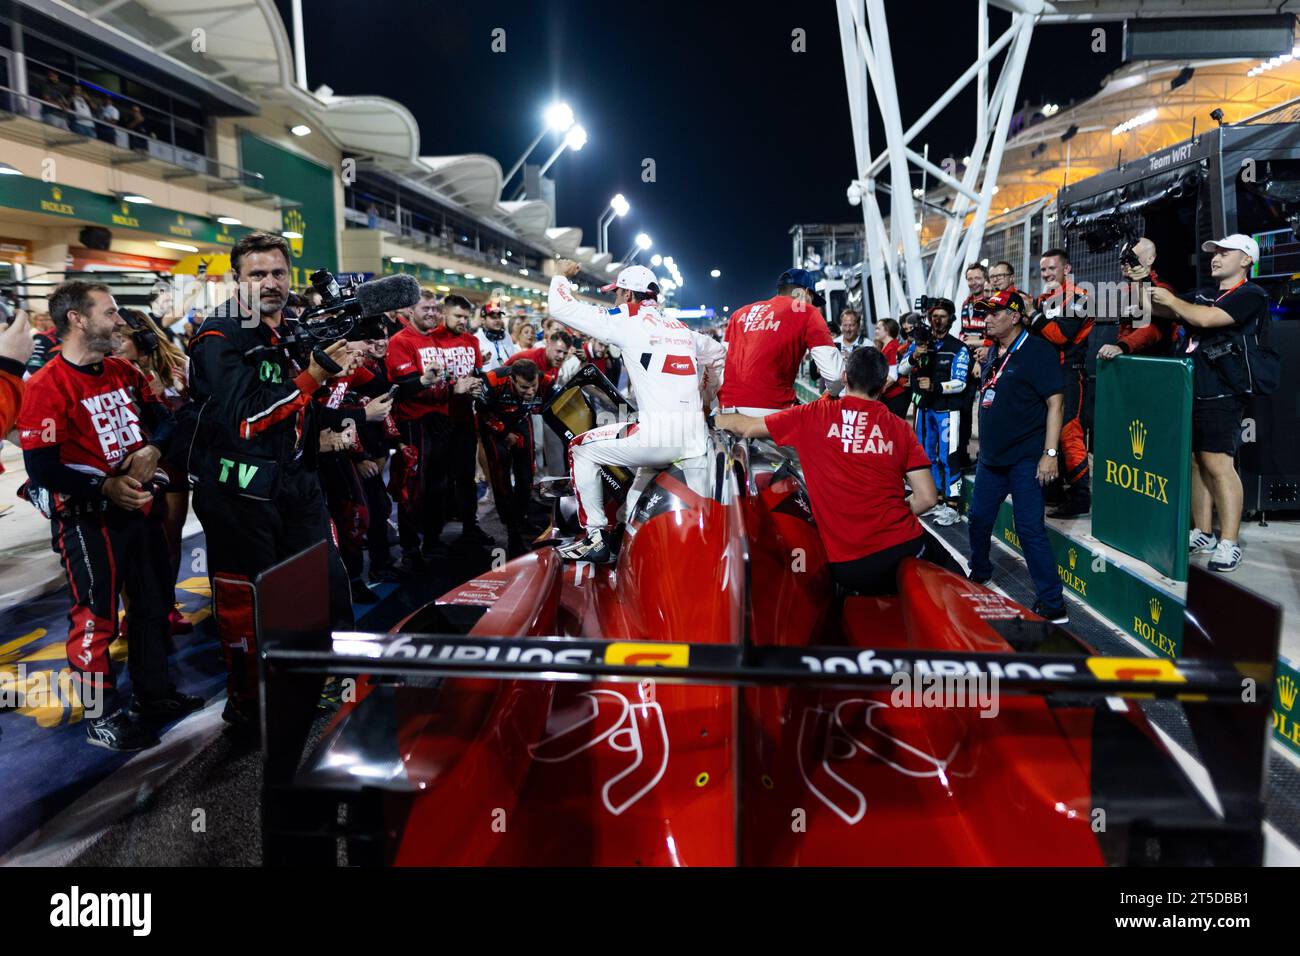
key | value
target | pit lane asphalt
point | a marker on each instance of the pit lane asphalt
(224, 779)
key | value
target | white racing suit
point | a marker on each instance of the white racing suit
(664, 360)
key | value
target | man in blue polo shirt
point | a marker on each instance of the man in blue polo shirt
(1021, 402)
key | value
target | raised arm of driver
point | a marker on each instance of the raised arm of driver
(830, 366)
(587, 319)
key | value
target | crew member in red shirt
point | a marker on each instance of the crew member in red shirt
(549, 358)
(855, 455)
(1157, 334)
(767, 340)
(93, 433)
(423, 361)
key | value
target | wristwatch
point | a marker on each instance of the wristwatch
(1049, 452)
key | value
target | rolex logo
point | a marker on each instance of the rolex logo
(294, 223)
(1074, 557)
(1155, 610)
(57, 193)
(1286, 690)
(1137, 438)
(126, 210)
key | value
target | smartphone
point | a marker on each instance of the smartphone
(392, 392)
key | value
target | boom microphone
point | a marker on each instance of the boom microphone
(365, 299)
(387, 294)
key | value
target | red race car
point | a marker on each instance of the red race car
(710, 700)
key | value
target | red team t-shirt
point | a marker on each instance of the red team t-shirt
(855, 453)
(537, 355)
(412, 351)
(766, 341)
(93, 418)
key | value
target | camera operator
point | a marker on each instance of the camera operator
(1063, 319)
(254, 453)
(496, 345)
(510, 396)
(434, 362)
(1021, 406)
(93, 433)
(1223, 326)
(766, 342)
(855, 457)
(1154, 337)
(939, 365)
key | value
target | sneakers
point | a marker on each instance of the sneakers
(1074, 507)
(945, 516)
(594, 548)
(170, 706)
(1227, 556)
(119, 732)
(1198, 542)
(1057, 615)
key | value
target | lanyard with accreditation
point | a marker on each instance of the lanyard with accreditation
(989, 389)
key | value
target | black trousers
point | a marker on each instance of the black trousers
(380, 506)
(511, 472)
(104, 555)
(448, 450)
(877, 573)
(246, 536)
(965, 421)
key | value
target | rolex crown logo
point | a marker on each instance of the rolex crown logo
(126, 210)
(57, 193)
(1074, 557)
(1137, 438)
(1155, 610)
(1286, 689)
(294, 223)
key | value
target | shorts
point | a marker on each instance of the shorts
(1216, 424)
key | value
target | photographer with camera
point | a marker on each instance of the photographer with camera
(254, 453)
(511, 395)
(1154, 336)
(1064, 319)
(939, 365)
(1020, 421)
(435, 363)
(1227, 339)
(93, 433)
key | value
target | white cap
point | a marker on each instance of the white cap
(633, 278)
(1235, 241)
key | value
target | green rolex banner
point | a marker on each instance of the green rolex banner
(1142, 454)
(307, 183)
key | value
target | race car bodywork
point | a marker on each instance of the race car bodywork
(650, 767)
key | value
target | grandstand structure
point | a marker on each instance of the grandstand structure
(998, 200)
(222, 95)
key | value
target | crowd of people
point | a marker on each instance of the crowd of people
(282, 448)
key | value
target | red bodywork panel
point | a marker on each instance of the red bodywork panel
(626, 774)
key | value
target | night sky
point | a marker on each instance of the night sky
(748, 136)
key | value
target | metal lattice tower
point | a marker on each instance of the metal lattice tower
(897, 272)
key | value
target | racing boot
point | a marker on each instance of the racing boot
(594, 547)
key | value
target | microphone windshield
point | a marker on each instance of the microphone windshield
(388, 294)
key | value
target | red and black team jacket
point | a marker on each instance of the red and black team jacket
(1155, 337)
(1063, 319)
(249, 397)
(502, 409)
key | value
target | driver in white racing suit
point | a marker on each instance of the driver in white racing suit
(663, 359)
